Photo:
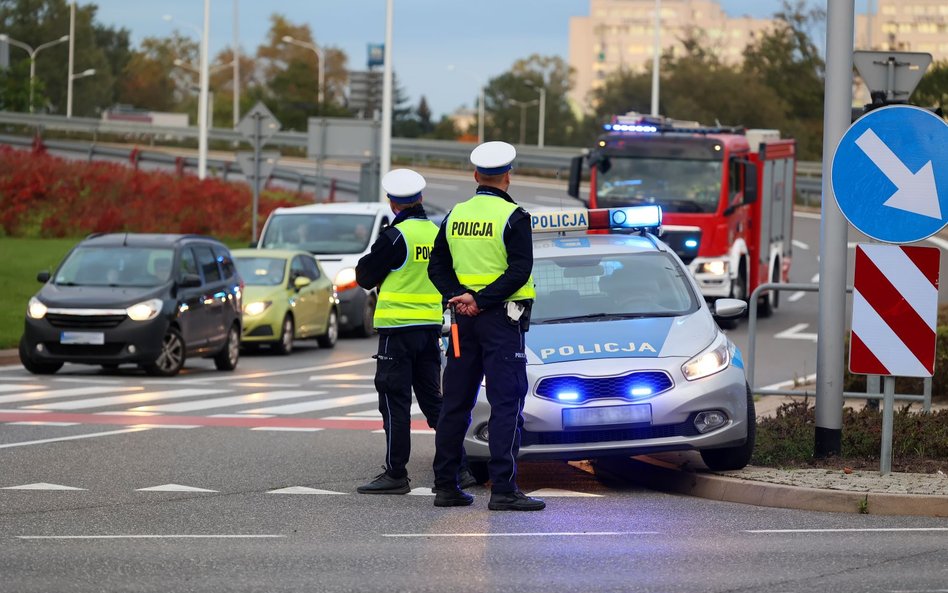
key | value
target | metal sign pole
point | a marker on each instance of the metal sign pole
(255, 183)
(833, 233)
(888, 405)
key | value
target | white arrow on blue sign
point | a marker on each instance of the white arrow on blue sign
(890, 174)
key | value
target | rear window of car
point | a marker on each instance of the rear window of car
(617, 285)
(324, 233)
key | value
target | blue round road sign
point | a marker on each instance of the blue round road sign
(890, 174)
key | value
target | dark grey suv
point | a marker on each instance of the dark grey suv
(149, 300)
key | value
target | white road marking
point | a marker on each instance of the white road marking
(323, 404)
(20, 387)
(800, 244)
(415, 410)
(39, 423)
(15, 411)
(287, 428)
(302, 490)
(135, 398)
(796, 333)
(174, 426)
(41, 486)
(174, 488)
(74, 437)
(57, 393)
(850, 530)
(538, 534)
(815, 278)
(791, 382)
(313, 369)
(796, 296)
(421, 492)
(558, 492)
(166, 536)
(234, 400)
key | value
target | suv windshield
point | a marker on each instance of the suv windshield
(677, 185)
(261, 271)
(610, 286)
(116, 266)
(321, 233)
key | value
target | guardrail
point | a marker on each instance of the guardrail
(221, 168)
(552, 158)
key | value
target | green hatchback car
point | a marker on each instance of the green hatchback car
(287, 297)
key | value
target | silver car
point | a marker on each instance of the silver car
(624, 357)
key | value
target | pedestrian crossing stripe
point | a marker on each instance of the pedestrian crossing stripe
(173, 488)
(302, 490)
(41, 486)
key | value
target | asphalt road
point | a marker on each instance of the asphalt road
(121, 482)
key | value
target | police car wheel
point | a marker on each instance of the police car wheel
(479, 471)
(732, 458)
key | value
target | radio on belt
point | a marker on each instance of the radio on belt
(581, 219)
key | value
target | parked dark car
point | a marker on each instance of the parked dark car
(149, 300)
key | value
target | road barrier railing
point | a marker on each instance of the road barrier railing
(751, 356)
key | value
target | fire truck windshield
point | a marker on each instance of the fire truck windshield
(677, 185)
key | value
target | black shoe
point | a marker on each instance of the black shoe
(466, 479)
(385, 484)
(514, 501)
(451, 498)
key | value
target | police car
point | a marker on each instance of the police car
(624, 356)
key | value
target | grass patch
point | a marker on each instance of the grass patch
(919, 443)
(22, 259)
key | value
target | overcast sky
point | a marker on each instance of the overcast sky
(482, 39)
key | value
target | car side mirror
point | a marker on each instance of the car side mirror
(190, 281)
(729, 308)
(43, 276)
(300, 282)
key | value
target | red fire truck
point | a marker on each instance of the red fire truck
(726, 196)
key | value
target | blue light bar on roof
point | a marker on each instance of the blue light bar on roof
(641, 128)
(576, 219)
(635, 217)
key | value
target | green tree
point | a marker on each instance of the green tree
(445, 130)
(152, 80)
(423, 112)
(506, 93)
(932, 90)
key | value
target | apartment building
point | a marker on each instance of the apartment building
(620, 34)
(905, 25)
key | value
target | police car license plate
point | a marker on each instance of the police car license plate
(608, 415)
(89, 338)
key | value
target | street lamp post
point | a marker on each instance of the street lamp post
(72, 53)
(73, 77)
(542, 118)
(236, 64)
(656, 54)
(523, 115)
(321, 67)
(204, 35)
(32, 51)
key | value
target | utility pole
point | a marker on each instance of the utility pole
(656, 55)
(386, 152)
(202, 102)
(236, 53)
(72, 56)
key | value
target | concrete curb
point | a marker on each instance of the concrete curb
(11, 356)
(660, 475)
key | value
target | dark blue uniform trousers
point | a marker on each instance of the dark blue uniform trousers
(491, 347)
(407, 359)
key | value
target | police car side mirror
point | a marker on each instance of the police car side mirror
(728, 308)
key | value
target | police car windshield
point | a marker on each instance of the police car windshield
(677, 185)
(320, 233)
(116, 266)
(610, 287)
(261, 271)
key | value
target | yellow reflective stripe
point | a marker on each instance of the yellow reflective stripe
(409, 297)
(424, 314)
(472, 279)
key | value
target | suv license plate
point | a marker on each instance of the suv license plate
(608, 415)
(93, 338)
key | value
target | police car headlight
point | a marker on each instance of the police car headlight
(717, 267)
(144, 311)
(36, 309)
(345, 279)
(713, 360)
(256, 307)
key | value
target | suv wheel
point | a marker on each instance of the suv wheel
(171, 358)
(37, 368)
(226, 359)
(285, 344)
(328, 339)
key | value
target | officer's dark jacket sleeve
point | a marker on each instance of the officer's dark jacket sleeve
(441, 266)
(518, 239)
(388, 253)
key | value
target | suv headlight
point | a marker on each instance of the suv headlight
(716, 267)
(345, 279)
(145, 310)
(36, 309)
(714, 359)
(256, 307)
